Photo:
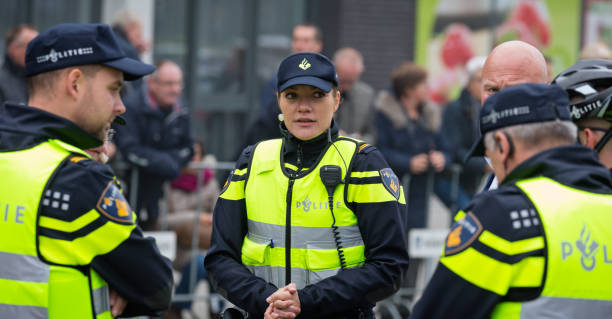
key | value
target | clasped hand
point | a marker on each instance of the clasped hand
(284, 303)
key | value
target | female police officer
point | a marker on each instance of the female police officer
(315, 214)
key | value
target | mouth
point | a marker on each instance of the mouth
(305, 122)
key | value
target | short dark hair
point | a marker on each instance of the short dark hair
(13, 33)
(407, 76)
(318, 32)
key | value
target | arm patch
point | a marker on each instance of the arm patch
(391, 182)
(463, 232)
(113, 205)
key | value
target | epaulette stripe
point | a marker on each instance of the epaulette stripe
(76, 159)
(240, 171)
(362, 147)
(70, 236)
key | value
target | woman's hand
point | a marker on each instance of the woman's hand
(437, 160)
(419, 163)
(284, 303)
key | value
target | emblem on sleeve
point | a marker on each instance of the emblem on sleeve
(113, 205)
(462, 234)
(390, 181)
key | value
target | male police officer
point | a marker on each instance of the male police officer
(66, 232)
(589, 86)
(540, 244)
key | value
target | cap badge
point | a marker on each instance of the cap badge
(304, 65)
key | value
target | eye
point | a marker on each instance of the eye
(319, 94)
(492, 90)
(290, 95)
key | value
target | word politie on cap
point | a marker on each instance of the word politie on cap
(521, 104)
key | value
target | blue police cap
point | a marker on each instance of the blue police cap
(521, 104)
(307, 68)
(72, 44)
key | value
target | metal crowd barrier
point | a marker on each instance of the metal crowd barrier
(391, 306)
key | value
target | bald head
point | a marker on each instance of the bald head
(512, 63)
(349, 65)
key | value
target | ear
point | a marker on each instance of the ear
(74, 83)
(590, 139)
(337, 101)
(502, 145)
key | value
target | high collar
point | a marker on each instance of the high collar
(310, 149)
(22, 126)
(13, 67)
(571, 165)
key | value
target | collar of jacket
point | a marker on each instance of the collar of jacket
(391, 107)
(312, 148)
(571, 165)
(22, 126)
(13, 67)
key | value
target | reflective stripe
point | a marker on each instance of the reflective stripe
(511, 247)
(301, 277)
(301, 237)
(365, 174)
(554, 307)
(29, 312)
(23, 268)
(71, 226)
(101, 300)
(494, 275)
(371, 193)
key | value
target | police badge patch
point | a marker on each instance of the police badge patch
(462, 234)
(113, 205)
(390, 181)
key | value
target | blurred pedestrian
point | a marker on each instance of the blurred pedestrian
(157, 142)
(460, 129)
(356, 112)
(13, 84)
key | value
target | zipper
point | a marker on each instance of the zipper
(299, 157)
(288, 233)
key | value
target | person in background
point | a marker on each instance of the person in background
(460, 129)
(128, 28)
(158, 141)
(13, 84)
(407, 140)
(511, 250)
(296, 230)
(356, 109)
(511, 63)
(589, 86)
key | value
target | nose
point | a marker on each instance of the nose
(119, 107)
(304, 105)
